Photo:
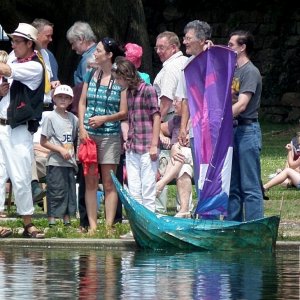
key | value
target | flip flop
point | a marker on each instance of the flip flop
(5, 232)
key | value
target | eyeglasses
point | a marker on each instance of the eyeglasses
(161, 48)
(17, 42)
(108, 44)
(187, 39)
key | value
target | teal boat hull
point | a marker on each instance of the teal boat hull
(155, 231)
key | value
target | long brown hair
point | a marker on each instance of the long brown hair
(126, 69)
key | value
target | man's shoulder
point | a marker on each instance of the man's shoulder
(177, 63)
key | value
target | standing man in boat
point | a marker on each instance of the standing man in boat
(245, 198)
(196, 40)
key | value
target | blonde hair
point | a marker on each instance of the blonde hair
(3, 56)
(171, 36)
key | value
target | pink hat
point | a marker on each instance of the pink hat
(133, 53)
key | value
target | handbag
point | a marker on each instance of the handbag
(87, 155)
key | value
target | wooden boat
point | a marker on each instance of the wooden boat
(154, 231)
(208, 79)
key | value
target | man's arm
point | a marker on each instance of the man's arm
(241, 104)
(165, 105)
(155, 137)
(183, 137)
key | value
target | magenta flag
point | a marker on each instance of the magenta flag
(208, 80)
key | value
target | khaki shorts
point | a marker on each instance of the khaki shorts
(108, 149)
(164, 159)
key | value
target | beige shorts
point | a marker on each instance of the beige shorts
(188, 166)
(108, 149)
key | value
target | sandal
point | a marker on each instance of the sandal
(5, 232)
(35, 234)
(82, 229)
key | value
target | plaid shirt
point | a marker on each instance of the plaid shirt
(142, 105)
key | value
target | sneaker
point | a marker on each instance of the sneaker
(128, 235)
(37, 192)
(275, 174)
(272, 175)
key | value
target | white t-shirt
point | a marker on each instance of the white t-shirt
(181, 91)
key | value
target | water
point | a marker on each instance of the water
(28, 273)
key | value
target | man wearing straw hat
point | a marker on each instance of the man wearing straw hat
(20, 111)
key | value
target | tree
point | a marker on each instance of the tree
(122, 20)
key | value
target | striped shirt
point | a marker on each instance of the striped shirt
(102, 104)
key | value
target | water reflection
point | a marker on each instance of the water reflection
(94, 274)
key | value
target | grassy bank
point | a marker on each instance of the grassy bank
(282, 200)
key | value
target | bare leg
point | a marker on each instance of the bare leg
(288, 173)
(91, 186)
(184, 188)
(110, 193)
(172, 171)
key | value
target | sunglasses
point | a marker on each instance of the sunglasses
(109, 44)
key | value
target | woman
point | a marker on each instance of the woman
(102, 105)
(289, 173)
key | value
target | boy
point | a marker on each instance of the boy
(59, 132)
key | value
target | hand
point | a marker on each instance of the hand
(4, 88)
(65, 153)
(55, 84)
(83, 135)
(166, 141)
(208, 44)
(183, 137)
(288, 147)
(153, 153)
(96, 121)
(176, 154)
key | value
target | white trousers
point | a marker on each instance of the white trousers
(141, 174)
(16, 148)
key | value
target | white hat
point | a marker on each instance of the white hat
(63, 89)
(26, 31)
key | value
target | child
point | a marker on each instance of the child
(142, 137)
(59, 131)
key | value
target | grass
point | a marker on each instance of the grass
(282, 200)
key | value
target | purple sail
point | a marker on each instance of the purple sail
(208, 79)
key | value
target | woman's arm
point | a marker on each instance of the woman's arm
(81, 112)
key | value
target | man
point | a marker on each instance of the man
(44, 37)
(168, 49)
(196, 40)
(245, 197)
(83, 41)
(45, 33)
(20, 110)
(166, 81)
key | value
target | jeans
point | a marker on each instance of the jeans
(245, 197)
